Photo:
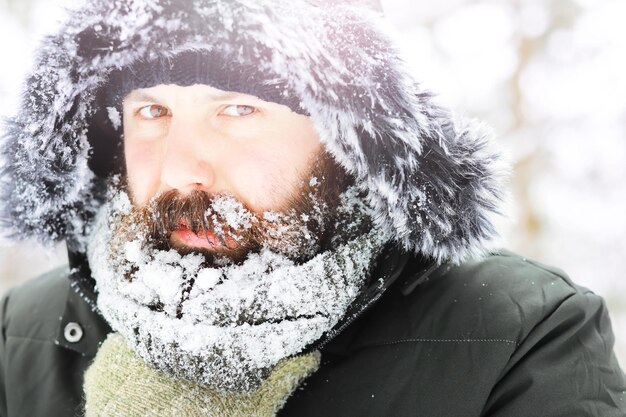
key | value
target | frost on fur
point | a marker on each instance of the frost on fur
(435, 185)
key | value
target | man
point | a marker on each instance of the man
(266, 215)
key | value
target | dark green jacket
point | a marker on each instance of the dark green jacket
(505, 336)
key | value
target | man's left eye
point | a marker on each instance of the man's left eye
(238, 110)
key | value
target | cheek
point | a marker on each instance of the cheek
(253, 178)
(268, 176)
(142, 166)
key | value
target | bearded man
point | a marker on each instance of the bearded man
(266, 215)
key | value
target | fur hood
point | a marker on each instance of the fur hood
(434, 183)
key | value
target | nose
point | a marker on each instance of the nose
(187, 163)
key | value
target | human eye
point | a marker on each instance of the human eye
(238, 110)
(153, 111)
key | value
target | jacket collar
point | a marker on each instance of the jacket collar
(405, 272)
(417, 276)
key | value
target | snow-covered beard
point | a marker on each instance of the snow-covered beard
(227, 322)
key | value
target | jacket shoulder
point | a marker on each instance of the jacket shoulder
(33, 309)
(500, 298)
(563, 357)
(504, 295)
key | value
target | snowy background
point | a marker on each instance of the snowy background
(548, 75)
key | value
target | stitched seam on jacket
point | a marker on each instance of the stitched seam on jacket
(511, 342)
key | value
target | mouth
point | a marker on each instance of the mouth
(184, 236)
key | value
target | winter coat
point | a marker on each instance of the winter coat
(504, 336)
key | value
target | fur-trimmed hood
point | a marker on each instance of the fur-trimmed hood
(435, 183)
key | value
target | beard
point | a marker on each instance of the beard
(315, 220)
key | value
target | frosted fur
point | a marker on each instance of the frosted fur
(238, 321)
(435, 184)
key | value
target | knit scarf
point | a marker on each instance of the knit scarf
(238, 321)
(120, 383)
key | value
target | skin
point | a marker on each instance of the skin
(202, 138)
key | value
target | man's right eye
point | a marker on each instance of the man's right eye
(153, 111)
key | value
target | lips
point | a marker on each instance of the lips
(189, 238)
(183, 235)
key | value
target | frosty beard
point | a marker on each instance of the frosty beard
(226, 319)
(311, 222)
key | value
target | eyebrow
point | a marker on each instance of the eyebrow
(139, 95)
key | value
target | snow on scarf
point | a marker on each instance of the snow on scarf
(238, 320)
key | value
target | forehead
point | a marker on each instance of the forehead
(196, 92)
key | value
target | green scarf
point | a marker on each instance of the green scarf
(120, 383)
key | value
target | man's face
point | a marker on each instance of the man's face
(199, 141)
